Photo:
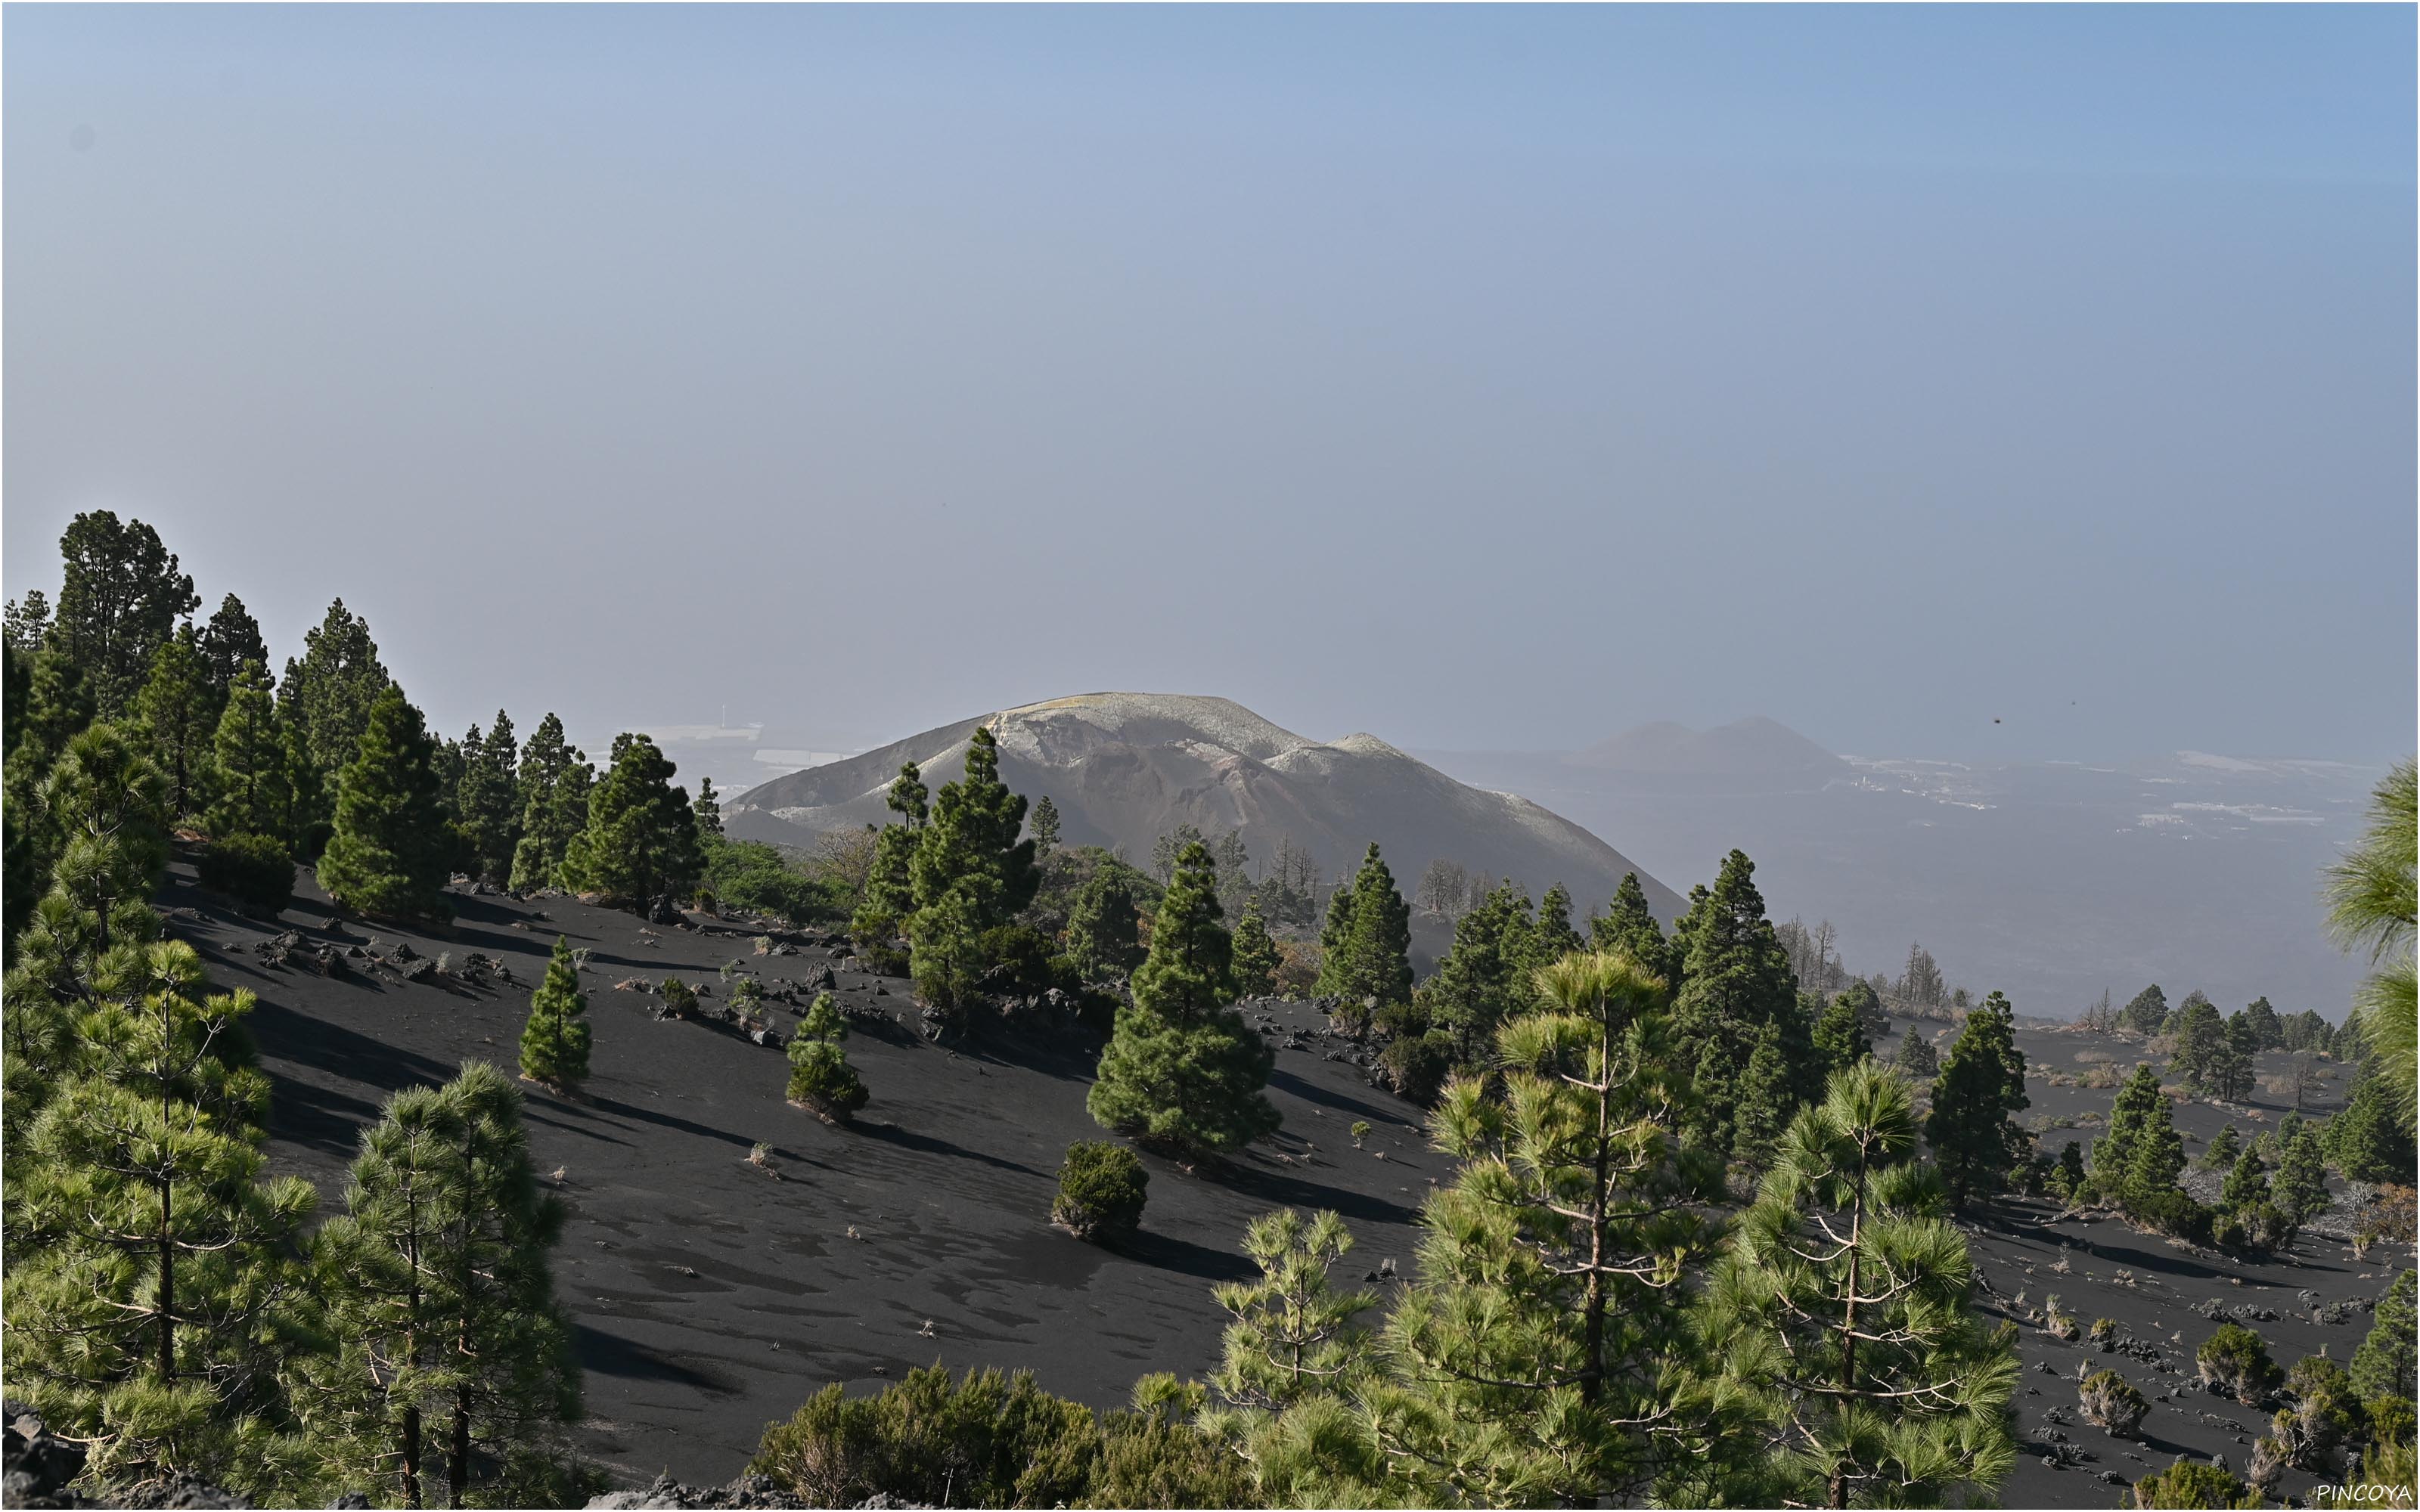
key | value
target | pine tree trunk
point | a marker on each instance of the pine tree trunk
(1849, 1317)
(167, 1292)
(1592, 1369)
(459, 1473)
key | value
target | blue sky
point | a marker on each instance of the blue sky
(1480, 378)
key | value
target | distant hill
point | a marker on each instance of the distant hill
(1755, 747)
(1124, 769)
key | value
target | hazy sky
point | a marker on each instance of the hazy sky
(1476, 377)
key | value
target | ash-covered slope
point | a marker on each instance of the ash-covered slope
(1124, 769)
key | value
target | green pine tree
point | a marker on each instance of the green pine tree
(1293, 1334)
(1738, 981)
(2147, 1011)
(554, 1042)
(970, 874)
(1103, 938)
(554, 783)
(2225, 1148)
(512, 1387)
(2383, 1367)
(2365, 1140)
(1182, 1069)
(1917, 1057)
(821, 1079)
(488, 799)
(2373, 898)
(1545, 1354)
(2201, 1046)
(149, 1293)
(1043, 823)
(2247, 1182)
(230, 642)
(255, 789)
(1489, 975)
(55, 708)
(1256, 958)
(329, 693)
(889, 898)
(1973, 1128)
(391, 852)
(1843, 1309)
(1766, 1097)
(2302, 1185)
(1630, 930)
(709, 810)
(121, 597)
(1366, 944)
(178, 713)
(1553, 937)
(641, 842)
(1841, 1032)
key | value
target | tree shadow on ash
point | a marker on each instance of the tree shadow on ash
(1286, 1080)
(613, 1355)
(1294, 1191)
(669, 1120)
(891, 1133)
(332, 1048)
(1166, 1251)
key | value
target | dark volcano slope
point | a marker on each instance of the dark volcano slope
(712, 1298)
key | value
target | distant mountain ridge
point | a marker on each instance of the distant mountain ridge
(1752, 746)
(1124, 769)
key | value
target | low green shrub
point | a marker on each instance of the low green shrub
(2236, 1360)
(2189, 1482)
(1101, 1190)
(2110, 1401)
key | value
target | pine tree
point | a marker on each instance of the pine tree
(2232, 1067)
(26, 622)
(328, 694)
(2201, 1046)
(554, 783)
(1766, 1098)
(709, 810)
(970, 875)
(1843, 1308)
(1917, 1057)
(513, 1381)
(1553, 937)
(889, 897)
(1489, 974)
(392, 852)
(2225, 1148)
(1044, 822)
(374, 1401)
(1256, 958)
(1293, 1334)
(2302, 1186)
(1630, 930)
(255, 789)
(2365, 1140)
(148, 1299)
(2147, 1011)
(2246, 1184)
(641, 842)
(2383, 1366)
(55, 708)
(122, 595)
(1972, 1129)
(1545, 1354)
(310, 793)
(229, 644)
(1102, 937)
(488, 798)
(1738, 981)
(1841, 1033)
(1367, 943)
(1182, 1069)
(821, 1078)
(554, 1042)
(2268, 1031)
(177, 715)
